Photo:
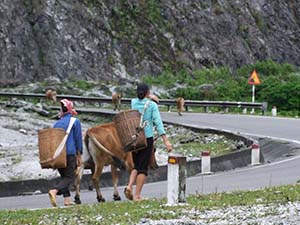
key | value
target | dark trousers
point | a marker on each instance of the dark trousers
(67, 177)
(142, 157)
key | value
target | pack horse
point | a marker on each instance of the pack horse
(103, 147)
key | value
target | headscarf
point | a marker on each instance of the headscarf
(69, 105)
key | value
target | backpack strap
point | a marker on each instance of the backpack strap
(143, 124)
(62, 144)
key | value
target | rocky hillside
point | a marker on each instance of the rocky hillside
(123, 40)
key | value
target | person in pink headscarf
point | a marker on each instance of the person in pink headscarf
(69, 107)
(74, 152)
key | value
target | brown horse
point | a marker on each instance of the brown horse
(51, 95)
(180, 105)
(116, 101)
(102, 147)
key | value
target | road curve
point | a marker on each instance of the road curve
(249, 178)
(260, 126)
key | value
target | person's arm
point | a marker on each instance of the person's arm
(78, 142)
(154, 98)
(167, 143)
(160, 128)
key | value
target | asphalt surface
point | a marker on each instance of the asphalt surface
(260, 126)
(249, 178)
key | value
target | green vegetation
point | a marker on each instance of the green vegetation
(135, 23)
(154, 209)
(191, 144)
(280, 85)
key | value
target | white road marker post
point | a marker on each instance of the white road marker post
(255, 154)
(176, 180)
(253, 98)
(205, 162)
(274, 111)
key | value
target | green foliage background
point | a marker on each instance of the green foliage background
(280, 84)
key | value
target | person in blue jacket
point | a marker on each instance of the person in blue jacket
(141, 158)
(74, 152)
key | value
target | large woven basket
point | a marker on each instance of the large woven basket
(128, 128)
(48, 141)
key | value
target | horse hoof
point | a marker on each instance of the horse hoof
(116, 197)
(90, 188)
(101, 199)
(77, 200)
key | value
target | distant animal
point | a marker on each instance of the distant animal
(51, 95)
(180, 105)
(116, 101)
(103, 147)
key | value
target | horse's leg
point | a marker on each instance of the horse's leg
(95, 178)
(90, 187)
(115, 178)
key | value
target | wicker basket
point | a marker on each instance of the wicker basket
(127, 124)
(48, 141)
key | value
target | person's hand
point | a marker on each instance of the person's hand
(78, 160)
(168, 146)
(154, 98)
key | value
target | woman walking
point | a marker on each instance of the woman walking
(74, 151)
(141, 158)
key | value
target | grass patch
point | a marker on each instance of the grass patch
(191, 143)
(153, 209)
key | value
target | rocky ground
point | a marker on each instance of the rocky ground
(272, 214)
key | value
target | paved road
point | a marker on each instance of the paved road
(276, 127)
(249, 178)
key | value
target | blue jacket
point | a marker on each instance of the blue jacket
(74, 141)
(152, 116)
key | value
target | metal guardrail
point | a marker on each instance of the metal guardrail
(167, 102)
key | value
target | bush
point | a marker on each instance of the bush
(280, 84)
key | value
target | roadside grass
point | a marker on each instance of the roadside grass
(153, 209)
(193, 148)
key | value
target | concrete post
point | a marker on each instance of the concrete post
(206, 109)
(255, 154)
(274, 111)
(176, 179)
(245, 111)
(205, 162)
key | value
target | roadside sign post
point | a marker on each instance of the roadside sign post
(253, 80)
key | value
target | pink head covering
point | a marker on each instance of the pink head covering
(69, 105)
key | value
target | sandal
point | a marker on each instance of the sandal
(128, 193)
(52, 198)
(69, 203)
(140, 199)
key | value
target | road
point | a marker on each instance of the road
(249, 178)
(263, 126)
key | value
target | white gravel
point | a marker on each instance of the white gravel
(19, 158)
(272, 214)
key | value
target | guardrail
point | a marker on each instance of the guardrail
(167, 102)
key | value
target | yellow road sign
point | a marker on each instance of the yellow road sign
(253, 79)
